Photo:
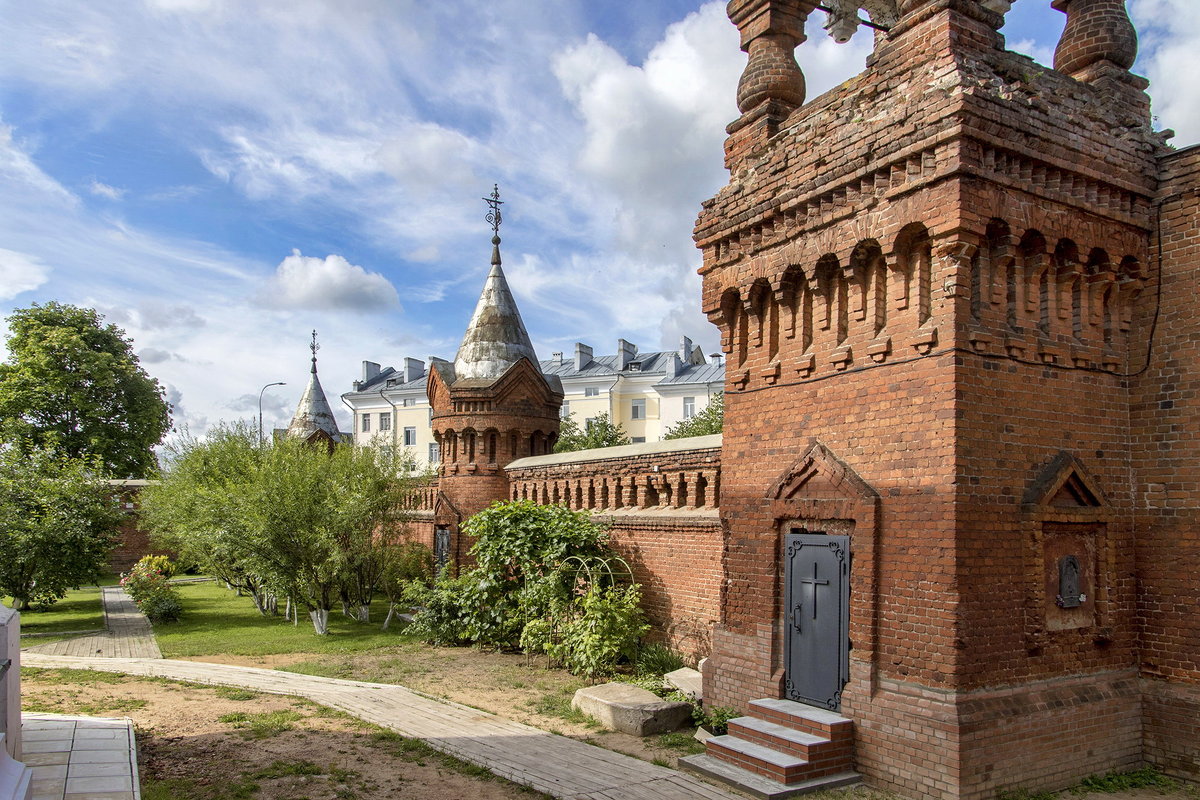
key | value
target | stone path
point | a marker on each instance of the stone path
(128, 633)
(556, 765)
(80, 758)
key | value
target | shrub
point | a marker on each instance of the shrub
(162, 608)
(161, 563)
(441, 617)
(715, 720)
(607, 629)
(657, 659)
(148, 586)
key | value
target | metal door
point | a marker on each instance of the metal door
(441, 546)
(817, 617)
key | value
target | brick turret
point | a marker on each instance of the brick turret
(931, 289)
(490, 406)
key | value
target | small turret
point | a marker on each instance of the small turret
(313, 415)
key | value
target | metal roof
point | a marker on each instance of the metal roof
(496, 337)
(313, 414)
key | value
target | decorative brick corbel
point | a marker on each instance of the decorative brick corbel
(958, 257)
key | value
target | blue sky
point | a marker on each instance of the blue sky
(220, 177)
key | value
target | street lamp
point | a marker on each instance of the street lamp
(262, 439)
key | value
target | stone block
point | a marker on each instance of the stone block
(688, 681)
(630, 709)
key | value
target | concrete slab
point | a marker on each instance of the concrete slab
(631, 709)
(94, 758)
(688, 681)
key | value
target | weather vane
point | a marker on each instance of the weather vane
(493, 216)
(314, 347)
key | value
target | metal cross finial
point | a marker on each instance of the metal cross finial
(314, 347)
(493, 216)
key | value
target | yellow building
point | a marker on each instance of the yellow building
(646, 393)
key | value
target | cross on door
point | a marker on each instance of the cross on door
(813, 582)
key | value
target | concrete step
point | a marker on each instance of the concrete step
(783, 767)
(810, 719)
(787, 740)
(757, 785)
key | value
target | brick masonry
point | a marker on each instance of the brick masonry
(942, 275)
(957, 295)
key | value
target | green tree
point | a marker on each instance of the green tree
(58, 523)
(598, 432)
(292, 520)
(74, 385)
(200, 508)
(710, 420)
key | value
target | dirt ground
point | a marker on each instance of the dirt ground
(270, 747)
(510, 685)
(282, 748)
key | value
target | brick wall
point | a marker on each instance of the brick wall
(134, 542)
(659, 501)
(1166, 427)
(933, 284)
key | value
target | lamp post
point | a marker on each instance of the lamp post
(262, 439)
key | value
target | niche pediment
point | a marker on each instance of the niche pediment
(820, 474)
(1064, 484)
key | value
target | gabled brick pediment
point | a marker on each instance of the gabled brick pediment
(523, 380)
(444, 510)
(1064, 483)
(818, 473)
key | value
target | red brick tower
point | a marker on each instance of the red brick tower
(931, 284)
(491, 406)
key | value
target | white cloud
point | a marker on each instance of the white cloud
(1043, 54)
(104, 190)
(327, 283)
(20, 273)
(1170, 57)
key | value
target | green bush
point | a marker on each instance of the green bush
(715, 720)
(607, 629)
(441, 617)
(161, 563)
(162, 608)
(147, 584)
(657, 659)
(519, 550)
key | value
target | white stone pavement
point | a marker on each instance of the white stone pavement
(80, 758)
(556, 765)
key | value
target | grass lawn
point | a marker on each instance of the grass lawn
(80, 610)
(216, 620)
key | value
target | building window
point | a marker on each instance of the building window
(591, 391)
(435, 453)
(689, 407)
(366, 423)
(566, 409)
(385, 422)
(637, 408)
(589, 423)
(410, 437)
(408, 402)
(638, 439)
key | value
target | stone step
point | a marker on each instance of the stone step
(810, 719)
(806, 745)
(757, 785)
(783, 767)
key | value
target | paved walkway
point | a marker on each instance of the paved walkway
(129, 634)
(556, 765)
(80, 758)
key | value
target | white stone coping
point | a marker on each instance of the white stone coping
(621, 451)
